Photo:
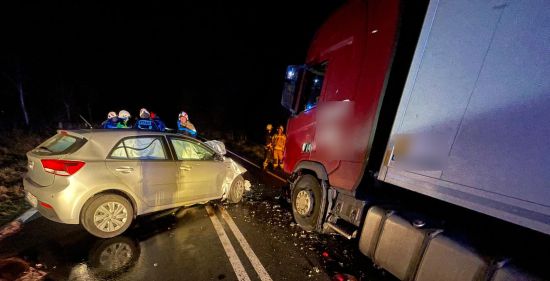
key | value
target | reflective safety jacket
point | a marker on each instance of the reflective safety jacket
(278, 141)
(188, 128)
(150, 124)
(109, 124)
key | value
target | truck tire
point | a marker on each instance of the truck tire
(236, 190)
(107, 215)
(306, 202)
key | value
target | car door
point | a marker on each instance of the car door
(200, 172)
(143, 163)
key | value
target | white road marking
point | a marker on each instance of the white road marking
(27, 215)
(264, 276)
(229, 250)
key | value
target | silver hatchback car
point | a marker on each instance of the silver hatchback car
(103, 179)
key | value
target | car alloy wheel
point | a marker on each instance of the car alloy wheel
(110, 216)
(107, 215)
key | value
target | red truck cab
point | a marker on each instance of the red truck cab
(335, 95)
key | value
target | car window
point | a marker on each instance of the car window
(188, 150)
(140, 148)
(60, 144)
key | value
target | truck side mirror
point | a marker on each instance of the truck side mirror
(291, 87)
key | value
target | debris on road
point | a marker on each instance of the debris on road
(18, 269)
(10, 229)
(264, 206)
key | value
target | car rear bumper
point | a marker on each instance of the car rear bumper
(60, 200)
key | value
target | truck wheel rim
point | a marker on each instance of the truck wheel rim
(304, 202)
(110, 216)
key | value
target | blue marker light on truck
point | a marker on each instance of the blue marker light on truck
(290, 75)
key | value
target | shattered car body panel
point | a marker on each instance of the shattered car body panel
(233, 168)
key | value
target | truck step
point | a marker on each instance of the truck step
(342, 230)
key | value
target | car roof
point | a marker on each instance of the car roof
(120, 133)
(101, 141)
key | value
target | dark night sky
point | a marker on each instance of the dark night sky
(222, 61)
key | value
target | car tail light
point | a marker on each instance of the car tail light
(62, 167)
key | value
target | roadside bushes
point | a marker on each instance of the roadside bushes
(13, 146)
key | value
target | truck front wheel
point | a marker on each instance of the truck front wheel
(307, 202)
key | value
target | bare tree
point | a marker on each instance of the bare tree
(66, 91)
(18, 84)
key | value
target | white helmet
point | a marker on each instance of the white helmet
(144, 113)
(183, 114)
(111, 114)
(123, 114)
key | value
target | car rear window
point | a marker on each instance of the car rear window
(60, 144)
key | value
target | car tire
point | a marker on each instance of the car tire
(236, 191)
(306, 199)
(113, 215)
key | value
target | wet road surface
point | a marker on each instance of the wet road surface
(256, 239)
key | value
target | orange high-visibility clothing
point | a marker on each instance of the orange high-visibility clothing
(278, 142)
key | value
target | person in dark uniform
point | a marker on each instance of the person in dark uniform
(268, 154)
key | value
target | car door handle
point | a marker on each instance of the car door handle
(185, 168)
(125, 170)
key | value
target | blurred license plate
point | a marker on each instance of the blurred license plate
(32, 199)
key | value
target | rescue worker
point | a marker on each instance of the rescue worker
(268, 155)
(111, 122)
(123, 117)
(144, 113)
(278, 143)
(159, 124)
(144, 121)
(185, 126)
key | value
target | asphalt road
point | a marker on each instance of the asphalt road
(253, 240)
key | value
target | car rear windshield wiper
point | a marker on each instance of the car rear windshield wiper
(44, 148)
